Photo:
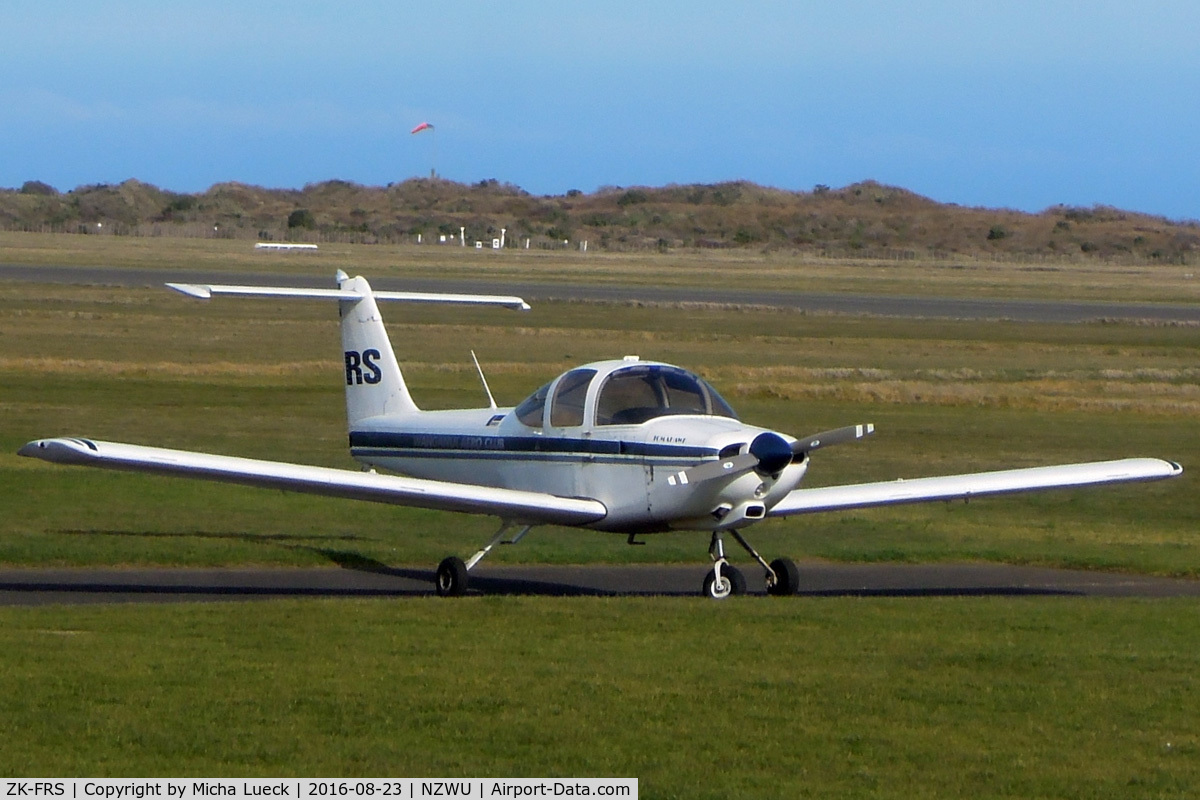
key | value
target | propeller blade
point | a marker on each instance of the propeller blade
(724, 468)
(769, 453)
(850, 433)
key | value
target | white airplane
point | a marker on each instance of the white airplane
(626, 446)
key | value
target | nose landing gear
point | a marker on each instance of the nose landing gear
(724, 579)
(782, 576)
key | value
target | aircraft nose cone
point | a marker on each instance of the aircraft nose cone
(772, 451)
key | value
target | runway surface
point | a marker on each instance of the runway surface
(1057, 311)
(32, 587)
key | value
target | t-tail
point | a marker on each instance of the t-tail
(374, 383)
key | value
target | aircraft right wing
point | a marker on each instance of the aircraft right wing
(510, 504)
(978, 484)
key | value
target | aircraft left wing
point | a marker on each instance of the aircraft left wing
(979, 484)
(517, 506)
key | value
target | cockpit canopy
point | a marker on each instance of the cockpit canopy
(620, 393)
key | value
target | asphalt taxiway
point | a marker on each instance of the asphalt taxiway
(1020, 310)
(31, 587)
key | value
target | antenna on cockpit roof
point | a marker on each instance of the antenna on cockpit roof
(479, 369)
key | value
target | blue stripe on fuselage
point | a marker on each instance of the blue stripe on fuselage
(455, 445)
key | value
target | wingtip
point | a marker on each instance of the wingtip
(192, 290)
(61, 450)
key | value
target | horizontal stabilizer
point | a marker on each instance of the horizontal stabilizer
(979, 484)
(517, 506)
(205, 291)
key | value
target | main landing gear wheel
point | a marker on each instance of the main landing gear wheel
(731, 582)
(787, 578)
(452, 573)
(451, 577)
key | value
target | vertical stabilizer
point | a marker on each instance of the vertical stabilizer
(374, 384)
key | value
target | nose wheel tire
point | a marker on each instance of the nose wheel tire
(731, 582)
(787, 578)
(451, 577)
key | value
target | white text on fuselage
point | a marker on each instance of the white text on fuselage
(441, 441)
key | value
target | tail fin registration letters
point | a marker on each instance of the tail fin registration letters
(362, 368)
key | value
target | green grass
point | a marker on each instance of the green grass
(993, 697)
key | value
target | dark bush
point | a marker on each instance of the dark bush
(632, 197)
(39, 188)
(302, 218)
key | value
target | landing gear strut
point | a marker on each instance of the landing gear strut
(782, 575)
(453, 574)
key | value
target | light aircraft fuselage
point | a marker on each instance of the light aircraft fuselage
(615, 431)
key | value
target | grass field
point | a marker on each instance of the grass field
(983, 697)
(830, 697)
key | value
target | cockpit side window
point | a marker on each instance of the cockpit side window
(717, 405)
(567, 409)
(685, 395)
(627, 398)
(531, 408)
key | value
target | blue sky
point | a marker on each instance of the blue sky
(1017, 104)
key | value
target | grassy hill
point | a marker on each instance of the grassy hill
(863, 219)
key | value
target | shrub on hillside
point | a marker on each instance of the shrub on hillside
(38, 188)
(302, 218)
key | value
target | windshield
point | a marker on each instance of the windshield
(530, 410)
(635, 394)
